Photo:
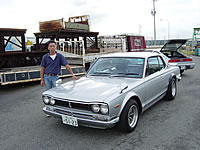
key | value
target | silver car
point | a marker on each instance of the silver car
(116, 90)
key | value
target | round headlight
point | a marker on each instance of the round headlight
(52, 101)
(104, 109)
(46, 100)
(95, 108)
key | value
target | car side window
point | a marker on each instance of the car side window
(152, 66)
(161, 62)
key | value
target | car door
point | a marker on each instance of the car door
(164, 74)
(154, 80)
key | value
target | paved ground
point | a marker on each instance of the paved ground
(166, 126)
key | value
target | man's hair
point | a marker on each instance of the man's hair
(51, 41)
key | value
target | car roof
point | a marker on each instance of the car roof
(142, 54)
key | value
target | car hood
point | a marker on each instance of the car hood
(173, 45)
(91, 89)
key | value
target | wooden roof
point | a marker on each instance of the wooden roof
(65, 33)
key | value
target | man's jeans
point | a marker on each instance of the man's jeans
(50, 81)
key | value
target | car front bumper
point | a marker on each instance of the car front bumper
(84, 121)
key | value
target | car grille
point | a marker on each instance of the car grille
(73, 105)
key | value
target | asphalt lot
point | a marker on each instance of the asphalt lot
(167, 125)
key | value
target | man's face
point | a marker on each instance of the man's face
(52, 47)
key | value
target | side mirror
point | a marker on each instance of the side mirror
(123, 87)
(58, 82)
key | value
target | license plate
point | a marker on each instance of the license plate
(183, 67)
(70, 120)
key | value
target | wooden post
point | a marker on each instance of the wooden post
(85, 42)
(96, 42)
(23, 43)
(78, 48)
(37, 43)
(57, 39)
(2, 50)
(73, 49)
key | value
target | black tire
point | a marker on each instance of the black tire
(172, 90)
(128, 122)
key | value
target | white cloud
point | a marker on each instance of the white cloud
(107, 16)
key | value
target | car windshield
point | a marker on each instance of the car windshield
(118, 67)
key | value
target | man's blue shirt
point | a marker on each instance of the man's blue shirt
(53, 66)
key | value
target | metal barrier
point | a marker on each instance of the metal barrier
(72, 49)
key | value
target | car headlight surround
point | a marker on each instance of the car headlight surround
(52, 101)
(95, 108)
(104, 109)
(46, 100)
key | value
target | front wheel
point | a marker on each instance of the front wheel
(172, 89)
(129, 116)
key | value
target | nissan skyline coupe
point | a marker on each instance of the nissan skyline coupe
(116, 90)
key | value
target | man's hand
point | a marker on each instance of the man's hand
(70, 71)
(74, 77)
(42, 83)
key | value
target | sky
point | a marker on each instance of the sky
(174, 18)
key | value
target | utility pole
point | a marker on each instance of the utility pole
(153, 12)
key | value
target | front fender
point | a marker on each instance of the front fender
(128, 96)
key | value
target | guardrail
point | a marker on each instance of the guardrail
(76, 49)
(72, 49)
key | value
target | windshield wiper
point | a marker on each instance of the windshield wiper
(123, 74)
(99, 73)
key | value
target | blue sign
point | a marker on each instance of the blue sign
(9, 47)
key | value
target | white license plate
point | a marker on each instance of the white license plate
(70, 120)
(183, 67)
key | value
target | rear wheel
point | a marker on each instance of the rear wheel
(172, 89)
(181, 72)
(129, 117)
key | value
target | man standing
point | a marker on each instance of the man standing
(51, 65)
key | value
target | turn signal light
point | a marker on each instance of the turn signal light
(117, 106)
